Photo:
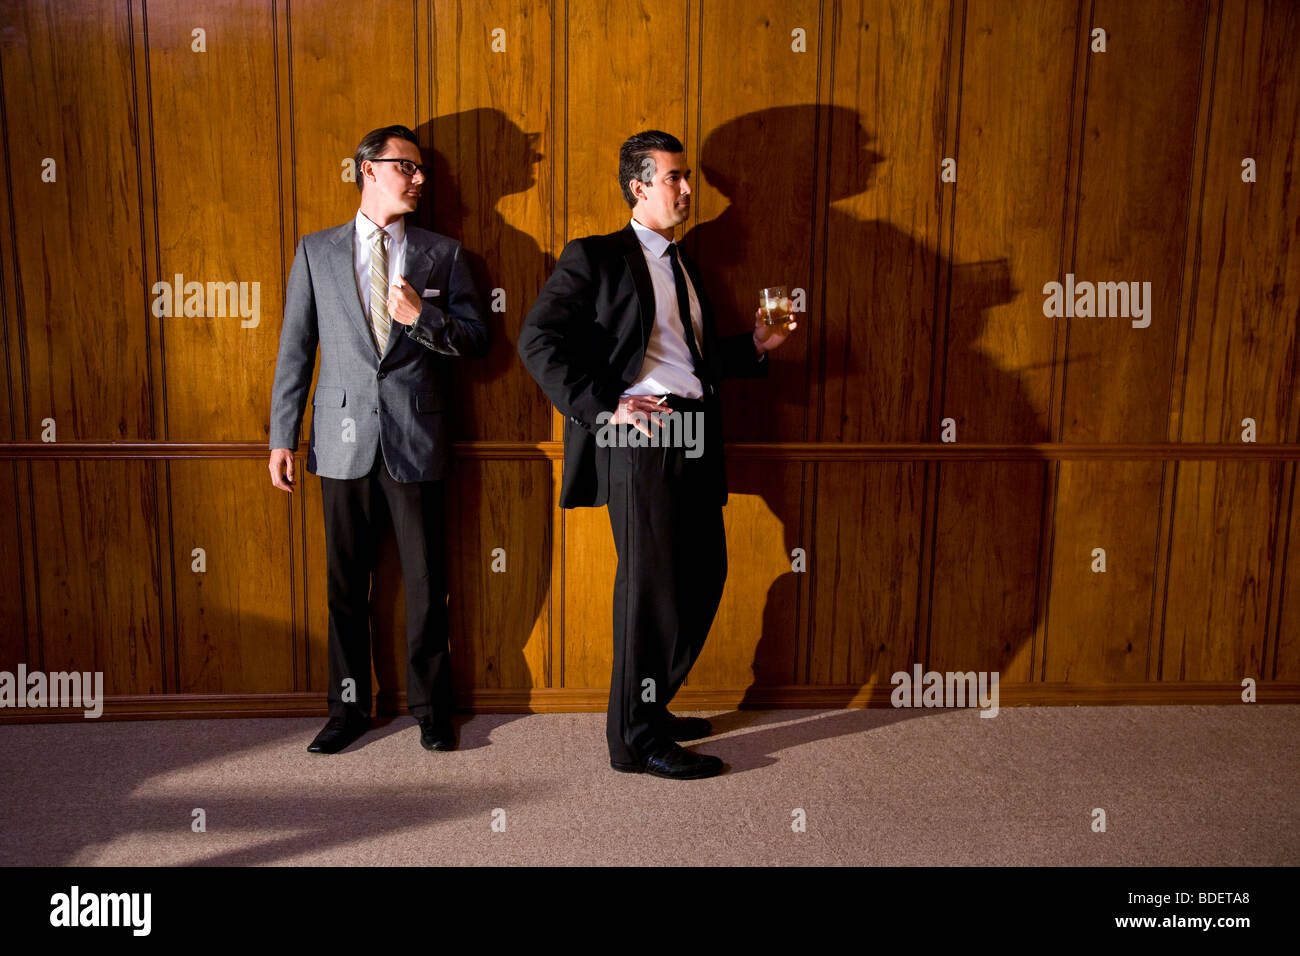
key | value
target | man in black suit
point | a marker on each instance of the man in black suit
(388, 304)
(607, 341)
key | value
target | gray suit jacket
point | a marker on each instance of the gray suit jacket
(364, 400)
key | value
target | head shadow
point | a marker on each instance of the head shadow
(478, 158)
(482, 165)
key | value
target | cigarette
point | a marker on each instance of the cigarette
(662, 399)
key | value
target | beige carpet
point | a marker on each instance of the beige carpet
(1179, 786)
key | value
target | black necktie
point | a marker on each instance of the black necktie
(684, 313)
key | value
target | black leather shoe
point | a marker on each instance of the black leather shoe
(338, 733)
(674, 763)
(687, 728)
(436, 736)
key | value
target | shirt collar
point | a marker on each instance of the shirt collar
(654, 243)
(396, 229)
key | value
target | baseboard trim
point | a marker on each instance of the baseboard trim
(593, 700)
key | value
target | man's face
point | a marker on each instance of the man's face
(387, 187)
(666, 202)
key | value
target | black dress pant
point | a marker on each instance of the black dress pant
(665, 512)
(356, 511)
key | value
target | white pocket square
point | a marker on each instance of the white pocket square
(429, 293)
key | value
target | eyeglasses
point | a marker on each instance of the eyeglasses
(407, 167)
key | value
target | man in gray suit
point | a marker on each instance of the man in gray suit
(387, 304)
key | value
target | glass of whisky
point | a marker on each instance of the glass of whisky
(775, 307)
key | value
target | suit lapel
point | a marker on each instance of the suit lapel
(416, 268)
(645, 293)
(341, 264)
(419, 259)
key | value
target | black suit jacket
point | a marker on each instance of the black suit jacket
(584, 341)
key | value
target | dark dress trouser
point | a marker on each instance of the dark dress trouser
(666, 517)
(356, 511)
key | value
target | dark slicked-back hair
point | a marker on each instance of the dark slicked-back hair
(634, 158)
(373, 143)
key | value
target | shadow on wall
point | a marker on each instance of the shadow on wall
(477, 158)
(882, 338)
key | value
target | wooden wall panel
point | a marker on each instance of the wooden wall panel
(340, 91)
(818, 168)
(218, 212)
(1241, 359)
(997, 346)
(98, 572)
(753, 204)
(1283, 661)
(865, 572)
(1099, 624)
(13, 412)
(984, 587)
(81, 286)
(1135, 161)
(1007, 222)
(623, 74)
(1241, 353)
(491, 147)
(1135, 170)
(233, 635)
(755, 634)
(1220, 557)
(15, 646)
(877, 335)
(500, 633)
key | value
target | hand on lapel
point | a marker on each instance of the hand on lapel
(403, 302)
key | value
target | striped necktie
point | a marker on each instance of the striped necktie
(379, 288)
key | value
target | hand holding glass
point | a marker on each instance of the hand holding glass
(776, 308)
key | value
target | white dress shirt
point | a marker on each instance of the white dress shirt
(667, 367)
(361, 251)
